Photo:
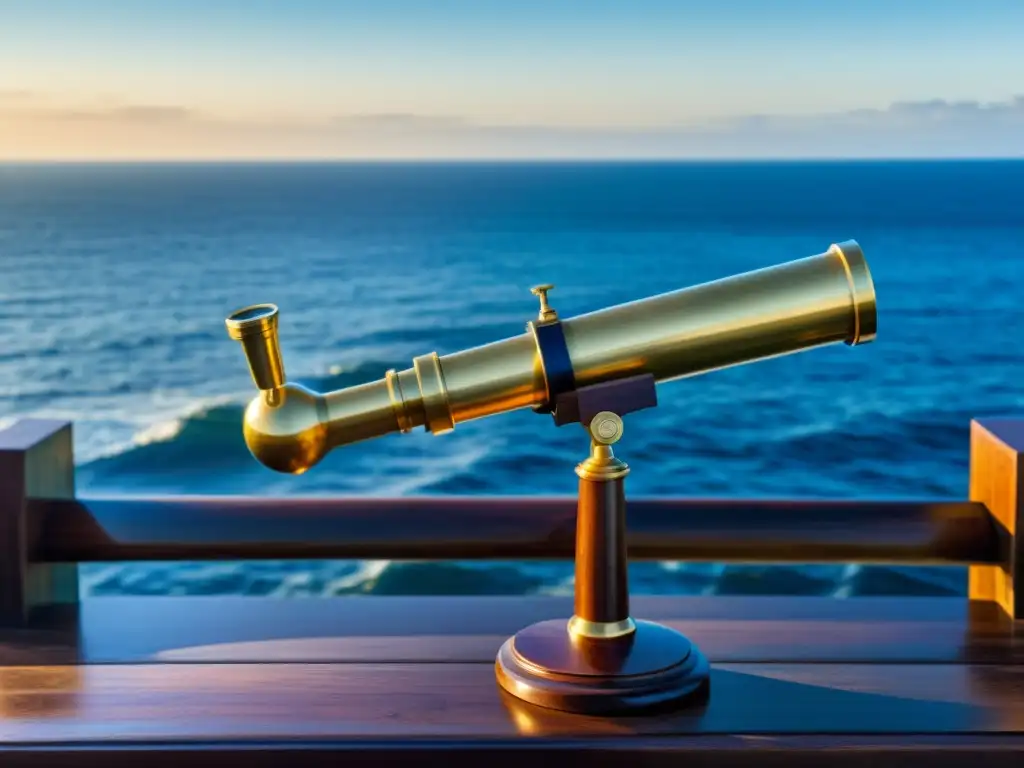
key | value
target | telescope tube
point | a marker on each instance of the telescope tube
(799, 305)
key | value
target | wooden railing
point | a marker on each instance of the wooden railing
(47, 529)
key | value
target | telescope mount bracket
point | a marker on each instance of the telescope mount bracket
(602, 662)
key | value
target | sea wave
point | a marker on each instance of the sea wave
(296, 578)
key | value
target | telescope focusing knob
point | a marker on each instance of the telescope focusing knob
(256, 327)
(547, 314)
(606, 428)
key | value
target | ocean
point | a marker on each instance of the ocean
(116, 280)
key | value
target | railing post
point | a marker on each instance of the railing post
(36, 461)
(997, 471)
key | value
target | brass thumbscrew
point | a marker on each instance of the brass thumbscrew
(606, 428)
(547, 314)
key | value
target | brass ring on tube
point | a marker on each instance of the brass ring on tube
(397, 398)
(862, 291)
(434, 393)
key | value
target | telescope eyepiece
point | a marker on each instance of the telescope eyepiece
(253, 320)
(255, 327)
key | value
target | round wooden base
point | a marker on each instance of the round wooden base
(652, 667)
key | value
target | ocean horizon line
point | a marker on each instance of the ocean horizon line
(380, 161)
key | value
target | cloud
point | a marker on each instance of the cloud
(15, 95)
(132, 113)
(930, 128)
(401, 122)
(145, 113)
(899, 115)
(922, 128)
(955, 109)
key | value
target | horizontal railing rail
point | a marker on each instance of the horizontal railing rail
(481, 528)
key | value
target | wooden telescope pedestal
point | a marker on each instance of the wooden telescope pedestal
(601, 661)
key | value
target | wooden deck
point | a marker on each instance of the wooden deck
(392, 680)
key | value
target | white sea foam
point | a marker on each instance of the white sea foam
(367, 571)
(160, 422)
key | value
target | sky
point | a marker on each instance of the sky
(437, 79)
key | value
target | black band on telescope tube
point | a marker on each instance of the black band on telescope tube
(554, 359)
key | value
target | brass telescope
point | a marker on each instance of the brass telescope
(766, 313)
(592, 370)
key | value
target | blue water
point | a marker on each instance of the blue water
(116, 279)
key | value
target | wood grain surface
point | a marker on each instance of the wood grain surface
(415, 701)
(383, 681)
